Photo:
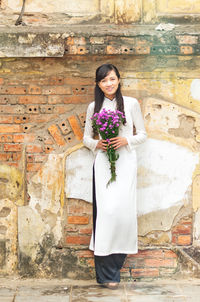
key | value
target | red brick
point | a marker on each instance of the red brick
(169, 254)
(174, 239)
(30, 158)
(75, 127)
(10, 128)
(78, 220)
(85, 254)
(144, 272)
(182, 229)
(64, 127)
(186, 50)
(6, 119)
(56, 90)
(48, 141)
(3, 99)
(43, 118)
(75, 99)
(12, 147)
(90, 91)
(39, 158)
(12, 90)
(34, 90)
(72, 229)
(89, 262)
(47, 109)
(186, 221)
(134, 262)
(55, 81)
(78, 240)
(79, 81)
(80, 209)
(49, 149)
(79, 90)
(159, 262)
(82, 117)
(32, 109)
(5, 156)
(21, 119)
(12, 109)
(34, 149)
(148, 254)
(12, 164)
(32, 99)
(20, 138)
(184, 240)
(6, 138)
(53, 130)
(58, 99)
(142, 50)
(111, 50)
(33, 167)
(16, 156)
(86, 231)
(62, 109)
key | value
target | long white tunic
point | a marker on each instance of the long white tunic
(116, 223)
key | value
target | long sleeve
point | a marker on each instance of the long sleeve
(138, 122)
(88, 139)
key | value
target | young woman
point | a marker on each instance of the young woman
(114, 206)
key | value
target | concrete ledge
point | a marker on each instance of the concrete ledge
(55, 41)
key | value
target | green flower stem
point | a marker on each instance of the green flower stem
(112, 157)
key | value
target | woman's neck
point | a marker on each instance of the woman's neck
(111, 98)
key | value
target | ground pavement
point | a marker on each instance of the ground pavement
(43, 290)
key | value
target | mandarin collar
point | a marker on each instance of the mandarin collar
(109, 100)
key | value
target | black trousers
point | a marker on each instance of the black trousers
(107, 267)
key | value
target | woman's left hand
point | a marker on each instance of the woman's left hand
(118, 142)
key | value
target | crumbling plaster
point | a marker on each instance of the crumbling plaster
(166, 163)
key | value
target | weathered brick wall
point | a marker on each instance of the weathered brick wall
(42, 110)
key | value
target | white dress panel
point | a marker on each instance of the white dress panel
(116, 223)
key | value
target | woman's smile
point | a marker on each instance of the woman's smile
(109, 84)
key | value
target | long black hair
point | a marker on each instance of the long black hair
(101, 72)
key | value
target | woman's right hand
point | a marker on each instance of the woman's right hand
(102, 144)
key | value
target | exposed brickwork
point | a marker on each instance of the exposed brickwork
(182, 232)
(79, 223)
(135, 44)
(40, 113)
(152, 263)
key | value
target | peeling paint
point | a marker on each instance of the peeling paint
(163, 180)
(11, 184)
(195, 89)
(26, 39)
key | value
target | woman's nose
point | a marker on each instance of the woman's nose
(108, 83)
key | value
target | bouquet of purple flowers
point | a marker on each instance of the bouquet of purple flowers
(107, 123)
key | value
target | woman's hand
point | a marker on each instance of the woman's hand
(118, 142)
(102, 144)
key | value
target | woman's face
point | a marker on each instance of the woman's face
(109, 84)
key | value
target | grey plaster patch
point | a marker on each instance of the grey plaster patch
(30, 230)
(27, 45)
(157, 220)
